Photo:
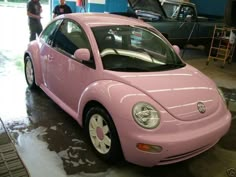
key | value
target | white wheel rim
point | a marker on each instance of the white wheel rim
(102, 145)
(29, 72)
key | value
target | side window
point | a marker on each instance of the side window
(70, 37)
(171, 10)
(47, 34)
(186, 11)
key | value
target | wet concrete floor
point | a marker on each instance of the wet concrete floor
(52, 144)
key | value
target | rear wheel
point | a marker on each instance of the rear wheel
(102, 134)
(29, 73)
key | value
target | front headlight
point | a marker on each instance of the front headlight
(221, 94)
(146, 115)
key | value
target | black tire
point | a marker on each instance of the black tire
(29, 73)
(99, 123)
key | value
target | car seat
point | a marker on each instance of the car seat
(107, 42)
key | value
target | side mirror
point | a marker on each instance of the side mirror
(176, 49)
(82, 54)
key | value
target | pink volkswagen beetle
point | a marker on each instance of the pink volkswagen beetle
(127, 87)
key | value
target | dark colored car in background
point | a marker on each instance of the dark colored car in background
(178, 21)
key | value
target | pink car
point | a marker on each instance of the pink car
(128, 88)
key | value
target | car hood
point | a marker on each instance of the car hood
(181, 92)
(149, 6)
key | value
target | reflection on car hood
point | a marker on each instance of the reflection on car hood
(178, 91)
(153, 6)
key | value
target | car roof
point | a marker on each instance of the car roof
(104, 19)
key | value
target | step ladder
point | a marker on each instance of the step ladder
(222, 45)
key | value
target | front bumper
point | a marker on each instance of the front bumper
(186, 140)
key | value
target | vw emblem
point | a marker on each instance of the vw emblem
(201, 107)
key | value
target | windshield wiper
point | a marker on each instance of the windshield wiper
(171, 66)
(127, 69)
(144, 50)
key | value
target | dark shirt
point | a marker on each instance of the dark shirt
(62, 9)
(34, 8)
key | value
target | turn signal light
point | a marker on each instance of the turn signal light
(149, 148)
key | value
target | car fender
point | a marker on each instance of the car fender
(116, 97)
(33, 52)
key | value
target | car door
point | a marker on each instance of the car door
(65, 74)
(46, 40)
(188, 25)
(181, 23)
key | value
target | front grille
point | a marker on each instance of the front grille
(184, 156)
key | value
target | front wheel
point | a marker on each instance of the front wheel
(29, 73)
(102, 134)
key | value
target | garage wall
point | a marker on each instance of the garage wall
(209, 7)
(71, 3)
(214, 8)
(96, 5)
(106, 5)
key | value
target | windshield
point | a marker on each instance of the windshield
(147, 5)
(134, 49)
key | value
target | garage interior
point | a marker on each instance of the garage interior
(49, 143)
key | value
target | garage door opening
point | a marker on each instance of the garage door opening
(14, 31)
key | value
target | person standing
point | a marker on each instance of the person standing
(34, 10)
(62, 8)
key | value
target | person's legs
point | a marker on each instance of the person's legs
(39, 28)
(32, 28)
(35, 28)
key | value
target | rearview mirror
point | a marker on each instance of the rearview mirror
(82, 54)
